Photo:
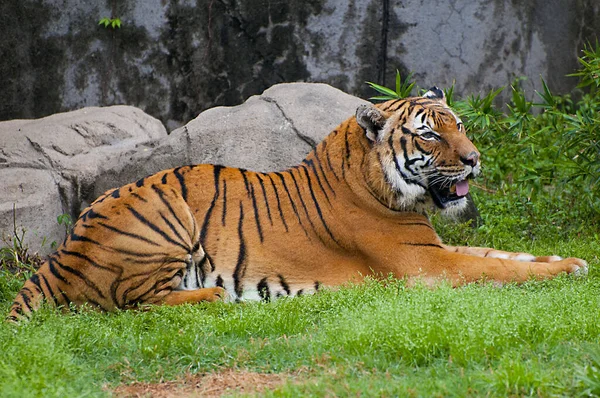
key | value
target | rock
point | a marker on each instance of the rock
(47, 165)
(269, 132)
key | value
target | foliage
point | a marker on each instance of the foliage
(66, 221)
(403, 89)
(14, 253)
(112, 22)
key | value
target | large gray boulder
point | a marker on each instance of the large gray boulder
(48, 164)
(269, 132)
(59, 164)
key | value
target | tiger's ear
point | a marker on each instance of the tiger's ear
(371, 120)
(435, 93)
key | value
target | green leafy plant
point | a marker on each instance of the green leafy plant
(112, 22)
(589, 74)
(403, 88)
(66, 221)
(15, 255)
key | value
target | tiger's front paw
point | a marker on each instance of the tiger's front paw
(217, 294)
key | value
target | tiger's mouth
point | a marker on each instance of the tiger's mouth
(444, 194)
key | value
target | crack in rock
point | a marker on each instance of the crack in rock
(310, 141)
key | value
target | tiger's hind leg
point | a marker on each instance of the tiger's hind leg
(161, 259)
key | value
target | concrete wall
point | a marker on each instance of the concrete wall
(176, 58)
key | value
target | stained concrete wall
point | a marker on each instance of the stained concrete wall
(176, 58)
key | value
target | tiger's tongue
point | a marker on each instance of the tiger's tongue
(462, 188)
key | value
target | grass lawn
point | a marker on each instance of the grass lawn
(374, 339)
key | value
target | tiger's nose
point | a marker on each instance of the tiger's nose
(471, 159)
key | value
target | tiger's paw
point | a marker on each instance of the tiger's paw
(216, 294)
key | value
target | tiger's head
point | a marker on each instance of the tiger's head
(420, 156)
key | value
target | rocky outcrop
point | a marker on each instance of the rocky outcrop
(59, 164)
(49, 166)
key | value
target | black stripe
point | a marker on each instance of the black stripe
(163, 180)
(93, 302)
(422, 150)
(419, 112)
(91, 214)
(170, 274)
(217, 172)
(278, 202)
(219, 281)
(256, 215)
(66, 298)
(264, 192)
(291, 201)
(346, 156)
(299, 292)
(131, 235)
(324, 175)
(136, 195)
(175, 231)
(54, 271)
(210, 261)
(243, 172)
(317, 285)
(329, 160)
(422, 244)
(35, 279)
(314, 170)
(26, 298)
(200, 268)
(407, 160)
(155, 228)
(240, 266)
(140, 182)
(162, 196)
(284, 284)
(181, 182)
(115, 194)
(318, 208)
(79, 274)
(224, 213)
(263, 289)
(80, 238)
(291, 173)
(84, 258)
(51, 293)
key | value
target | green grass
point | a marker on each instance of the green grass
(375, 339)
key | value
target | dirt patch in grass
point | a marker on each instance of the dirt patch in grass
(205, 385)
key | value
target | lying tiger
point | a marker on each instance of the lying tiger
(354, 207)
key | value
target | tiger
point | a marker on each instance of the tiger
(357, 206)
